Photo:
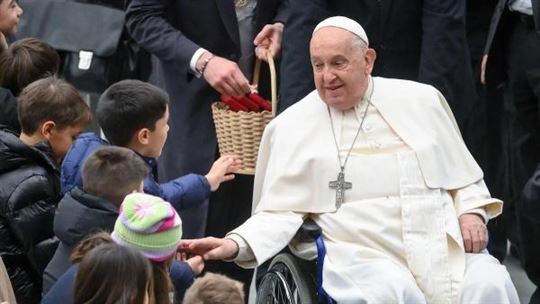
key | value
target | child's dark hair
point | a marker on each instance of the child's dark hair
(129, 106)
(25, 61)
(112, 173)
(52, 99)
(112, 274)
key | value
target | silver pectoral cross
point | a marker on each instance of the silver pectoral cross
(340, 185)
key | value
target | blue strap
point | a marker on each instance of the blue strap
(321, 253)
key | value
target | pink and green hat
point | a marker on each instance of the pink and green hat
(149, 224)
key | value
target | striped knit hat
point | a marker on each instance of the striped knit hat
(149, 224)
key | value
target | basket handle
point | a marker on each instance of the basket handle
(273, 79)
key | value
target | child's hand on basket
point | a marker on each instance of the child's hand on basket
(222, 170)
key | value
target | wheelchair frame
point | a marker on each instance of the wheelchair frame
(291, 280)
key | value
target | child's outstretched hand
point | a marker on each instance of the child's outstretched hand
(196, 263)
(222, 170)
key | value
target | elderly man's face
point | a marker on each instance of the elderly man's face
(340, 67)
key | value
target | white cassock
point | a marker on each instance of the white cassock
(396, 238)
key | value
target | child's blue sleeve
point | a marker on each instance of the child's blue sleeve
(186, 191)
(80, 149)
(182, 277)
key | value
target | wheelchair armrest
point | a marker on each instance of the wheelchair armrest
(308, 231)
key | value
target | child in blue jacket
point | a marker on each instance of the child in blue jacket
(135, 115)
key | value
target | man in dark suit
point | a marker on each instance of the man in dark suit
(416, 40)
(489, 158)
(205, 48)
(512, 76)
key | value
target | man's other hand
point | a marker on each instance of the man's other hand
(269, 40)
(210, 248)
(224, 76)
(474, 232)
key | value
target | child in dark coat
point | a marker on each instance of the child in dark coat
(109, 174)
(52, 114)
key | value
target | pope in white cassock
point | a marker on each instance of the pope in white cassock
(379, 164)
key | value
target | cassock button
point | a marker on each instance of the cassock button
(367, 128)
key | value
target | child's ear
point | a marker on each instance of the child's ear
(3, 42)
(46, 129)
(143, 136)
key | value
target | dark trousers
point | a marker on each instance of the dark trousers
(529, 227)
(485, 132)
(524, 91)
(513, 133)
(229, 207)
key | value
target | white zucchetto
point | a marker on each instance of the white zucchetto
(346, 24)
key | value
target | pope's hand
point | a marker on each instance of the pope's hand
(224, 76)
(210, 248)
(474, 232)
(269, 40)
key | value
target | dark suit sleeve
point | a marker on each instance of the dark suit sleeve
(147, 23)
(536, 14)
(494, 25)
(445, 61)
(282, 12)
(296, 79)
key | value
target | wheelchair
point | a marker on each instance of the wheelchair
(291, 280)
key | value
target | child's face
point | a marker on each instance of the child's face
(157, 138)
(10, 12)
(61, 139)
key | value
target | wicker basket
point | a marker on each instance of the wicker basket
(240, 133)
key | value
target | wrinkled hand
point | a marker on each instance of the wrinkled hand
(222, 170)
(225, 76)
(483, 69)
(474, 232)
(269, 40)
(210, 248)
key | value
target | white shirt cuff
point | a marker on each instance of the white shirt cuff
(193, 62)
(244, 251)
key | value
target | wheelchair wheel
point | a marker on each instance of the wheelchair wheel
(289, 280)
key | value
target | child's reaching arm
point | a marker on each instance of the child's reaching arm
(183, 273)
(190, 190)
(222, 170)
